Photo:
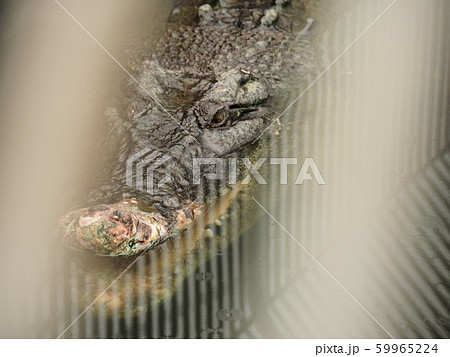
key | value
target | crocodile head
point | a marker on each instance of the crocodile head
(211, 114)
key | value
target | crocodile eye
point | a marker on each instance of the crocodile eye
(220, 117)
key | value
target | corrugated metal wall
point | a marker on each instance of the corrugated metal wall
(376, 122)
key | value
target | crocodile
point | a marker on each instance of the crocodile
(212, 87)
(208, 88)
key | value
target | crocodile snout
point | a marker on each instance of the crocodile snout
(115, 229)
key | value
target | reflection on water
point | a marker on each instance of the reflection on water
(377, 125)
